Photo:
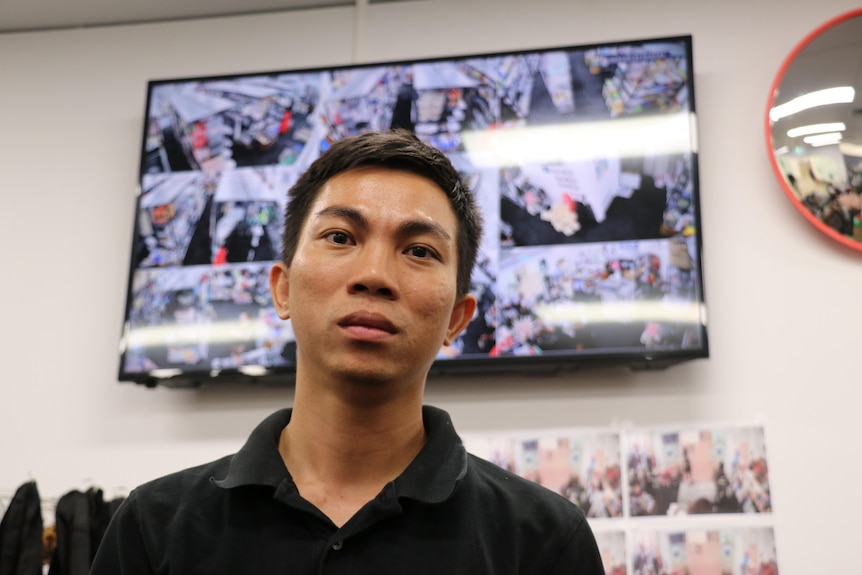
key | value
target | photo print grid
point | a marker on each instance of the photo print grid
(671, 500)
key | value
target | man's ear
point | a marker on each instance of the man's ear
(279, 287)
(462, 313)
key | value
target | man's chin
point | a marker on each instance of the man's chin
(366, 377)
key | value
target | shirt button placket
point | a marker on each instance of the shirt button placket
(335, 560)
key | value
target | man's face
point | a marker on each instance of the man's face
(371, 290)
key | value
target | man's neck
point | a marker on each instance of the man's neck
(342, 453)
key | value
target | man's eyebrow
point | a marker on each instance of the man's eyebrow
(419, 227)
(343, 212)
(408, 228)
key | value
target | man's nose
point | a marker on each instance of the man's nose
(374, 272)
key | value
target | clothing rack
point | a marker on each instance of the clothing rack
(39, 534)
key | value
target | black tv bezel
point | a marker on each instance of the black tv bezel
(638, 358)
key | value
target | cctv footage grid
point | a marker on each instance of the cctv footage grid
(582, 252)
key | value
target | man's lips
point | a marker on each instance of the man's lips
(367, 323)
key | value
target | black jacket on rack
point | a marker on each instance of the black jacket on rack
(81, 520)
(21, 533)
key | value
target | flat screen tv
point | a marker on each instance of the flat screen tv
(582, 158)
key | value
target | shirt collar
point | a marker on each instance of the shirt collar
(259, 461)
(431, 477)
(434, 473)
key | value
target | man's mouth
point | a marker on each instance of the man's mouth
(367, 324)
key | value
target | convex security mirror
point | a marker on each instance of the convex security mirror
(814, 128)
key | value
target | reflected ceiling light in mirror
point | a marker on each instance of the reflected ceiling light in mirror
(841, 95)
(823, 139)
(854, 150)
(814, 129)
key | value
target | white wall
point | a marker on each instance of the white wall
(784, 300)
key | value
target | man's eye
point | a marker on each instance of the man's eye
(339, 238)
(420, 252)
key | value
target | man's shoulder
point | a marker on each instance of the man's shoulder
(543, 531)
(518, 495)
(184, 485)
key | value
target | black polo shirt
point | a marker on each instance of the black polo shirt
(448, 513)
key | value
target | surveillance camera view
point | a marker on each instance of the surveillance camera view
(581, 160)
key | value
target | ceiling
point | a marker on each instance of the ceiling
(39, 15)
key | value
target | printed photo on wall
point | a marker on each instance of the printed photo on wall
(739, 551)
(612, 547)
(583, 466)
(697, 471)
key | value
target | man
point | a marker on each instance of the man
(380, 239)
